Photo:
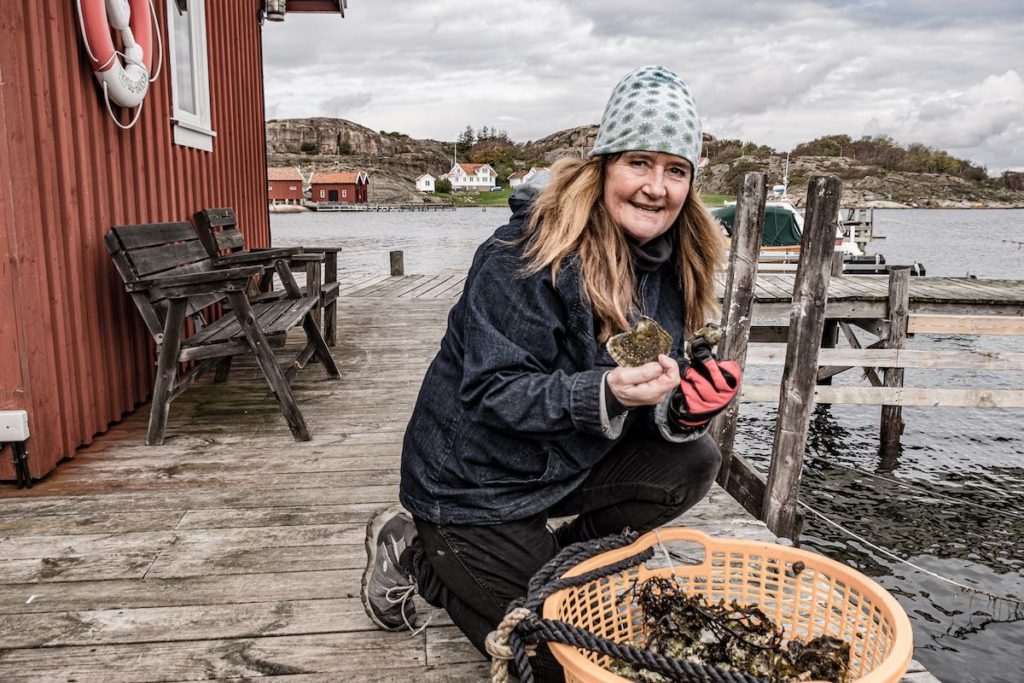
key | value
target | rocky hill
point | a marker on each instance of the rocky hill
(395, 160)
(864, 185)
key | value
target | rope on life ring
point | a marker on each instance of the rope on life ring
(124, 77)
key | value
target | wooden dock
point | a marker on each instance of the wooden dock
(232, 551)
(348, 207)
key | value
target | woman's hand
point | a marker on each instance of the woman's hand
(644, 385)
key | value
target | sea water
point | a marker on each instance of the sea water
(950, 503)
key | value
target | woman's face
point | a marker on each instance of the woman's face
(645, 191)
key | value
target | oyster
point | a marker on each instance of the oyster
(711, 332)
(641, 345)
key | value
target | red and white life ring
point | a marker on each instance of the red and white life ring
(124, 83)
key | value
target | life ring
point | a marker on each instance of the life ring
(124, 83)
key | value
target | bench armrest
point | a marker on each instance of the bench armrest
(261, 256)
(324, 250)
(308, 257)
(180, 286)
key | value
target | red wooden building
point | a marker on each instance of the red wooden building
(284, 185)
(73, 353)
(350, 187)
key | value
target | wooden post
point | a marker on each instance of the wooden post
(747, 231)
(781, 510)
(830, 335)
(899, 306)
(331, 310)
(397, 263)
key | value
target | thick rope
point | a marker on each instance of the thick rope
(497, 645)
(522, 626)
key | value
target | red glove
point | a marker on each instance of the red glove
(706, 389)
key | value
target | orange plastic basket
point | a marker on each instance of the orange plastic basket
(825, 598)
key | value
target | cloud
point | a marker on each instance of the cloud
(343, 106)
(775, 73)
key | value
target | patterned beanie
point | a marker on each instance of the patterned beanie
(650, 110)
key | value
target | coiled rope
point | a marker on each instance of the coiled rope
(523, 628)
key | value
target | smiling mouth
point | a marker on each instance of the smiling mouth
(649, 209)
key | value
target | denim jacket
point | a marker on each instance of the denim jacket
(510, 417)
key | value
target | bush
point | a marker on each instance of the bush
(309, 148)
(1013, 180)
(344, 147)
(443, 186)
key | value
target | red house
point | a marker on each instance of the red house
(349, 187)
(73, 352)
(284, 185)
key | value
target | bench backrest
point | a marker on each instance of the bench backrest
(218, 231)
(142, 251)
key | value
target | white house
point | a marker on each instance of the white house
(532, 172)
(425, 183)
(472, 176)
(516, 179)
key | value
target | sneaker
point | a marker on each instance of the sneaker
(387, 588)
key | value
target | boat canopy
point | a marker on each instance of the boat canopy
(780, 225)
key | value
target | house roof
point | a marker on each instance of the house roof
(518, 175)
(279, 173)
(425, 175)
(339, 177)
(471, 169)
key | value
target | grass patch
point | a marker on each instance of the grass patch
(482, 198)
(715, 200)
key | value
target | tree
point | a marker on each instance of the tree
(443, 186)
(468, 137)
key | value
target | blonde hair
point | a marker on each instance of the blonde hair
(569, 216)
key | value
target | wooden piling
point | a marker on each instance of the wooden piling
(899, 306)
(781, 510)
(397, 263)
(830, 335)
(739, 296)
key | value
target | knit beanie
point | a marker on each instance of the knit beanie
(650, 110)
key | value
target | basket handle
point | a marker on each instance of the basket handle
(648, 540)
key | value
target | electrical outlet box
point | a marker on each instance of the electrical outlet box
(13, 426)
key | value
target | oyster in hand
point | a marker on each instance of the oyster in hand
(642, 345)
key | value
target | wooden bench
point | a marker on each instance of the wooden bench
(225, 243)
(171, 278)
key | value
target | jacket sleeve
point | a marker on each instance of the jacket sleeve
(513, 331)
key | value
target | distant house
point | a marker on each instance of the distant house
(348, 187)
(472, 176)
(425, 183)
(532, 172)
(284, 186)
(516, 179)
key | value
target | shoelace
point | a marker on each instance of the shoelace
(400, 595)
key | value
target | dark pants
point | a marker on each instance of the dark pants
(473, 572)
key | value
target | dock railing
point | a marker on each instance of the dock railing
(810, 357)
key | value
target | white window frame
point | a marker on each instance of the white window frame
(323, 194)
(192, 129)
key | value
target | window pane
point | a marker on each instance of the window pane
(183, 64)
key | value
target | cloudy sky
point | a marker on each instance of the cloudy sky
(947, 73)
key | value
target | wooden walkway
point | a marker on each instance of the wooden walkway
(233, 552)
(857, 296)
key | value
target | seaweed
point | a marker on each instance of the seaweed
(731, 636)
